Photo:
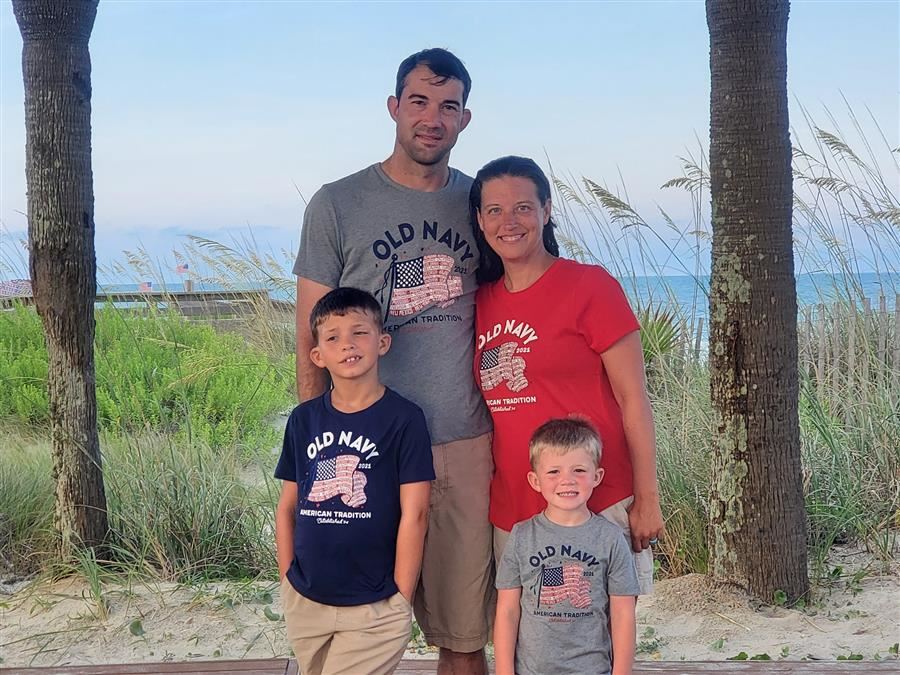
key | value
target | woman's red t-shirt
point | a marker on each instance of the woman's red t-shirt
(537, 357)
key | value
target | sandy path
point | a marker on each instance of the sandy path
(62, 623)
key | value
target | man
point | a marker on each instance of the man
(400, 229)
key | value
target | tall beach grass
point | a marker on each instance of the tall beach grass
(186, 409)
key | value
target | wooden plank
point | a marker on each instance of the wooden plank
(881, 325)
(698, 340)
(424, 667)
(850, 391)
(895, 376)
(820, 356)
(867, 353)
(737, 667)
(244, 666)
(836, 348)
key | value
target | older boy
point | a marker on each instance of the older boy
(567, 582)
(350, 524)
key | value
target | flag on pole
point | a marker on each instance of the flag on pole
(145, 287)
(181, 268)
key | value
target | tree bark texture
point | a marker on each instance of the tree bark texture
(757, 515)
(56, 68)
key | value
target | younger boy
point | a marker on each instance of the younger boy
(567, 580)
(356, 468)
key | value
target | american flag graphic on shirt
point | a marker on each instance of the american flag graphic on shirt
(338, 477)
(422, 282)
(499, 365)
(565, 582)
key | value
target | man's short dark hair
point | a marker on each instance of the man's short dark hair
(441, 62)
(339, 302)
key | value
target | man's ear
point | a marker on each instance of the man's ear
(533, 481)
(466, 118)
(384, 344)
(316, 357)
(393, 106)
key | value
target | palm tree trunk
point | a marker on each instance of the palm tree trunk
(56, 67)
(757, 516)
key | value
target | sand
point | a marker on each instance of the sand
(65, 623)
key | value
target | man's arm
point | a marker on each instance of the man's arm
(311, 379)
(506, 629)
(284, 526)
(411, 535)
(622, 632)
(624, 364)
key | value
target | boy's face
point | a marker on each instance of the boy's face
(565, 481)
(349, 346)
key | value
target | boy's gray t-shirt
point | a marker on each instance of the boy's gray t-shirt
(414, 251)
(566, 575)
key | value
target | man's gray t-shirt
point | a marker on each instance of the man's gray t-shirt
(414, 251)
(566, 575)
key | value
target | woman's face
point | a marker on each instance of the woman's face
(512, 218)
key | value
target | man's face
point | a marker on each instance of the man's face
(429, 116)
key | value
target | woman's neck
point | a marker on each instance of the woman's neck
(519, 275)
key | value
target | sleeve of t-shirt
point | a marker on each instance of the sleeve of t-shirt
(508, 574)
(605, 317)
(621, 573)
(319, 257)
(286, 469)
(414, 456)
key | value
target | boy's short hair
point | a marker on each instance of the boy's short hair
(560, 436)
(339, 302)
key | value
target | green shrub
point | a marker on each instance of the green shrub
(157, 371)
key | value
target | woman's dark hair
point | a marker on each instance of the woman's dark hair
(491, 267)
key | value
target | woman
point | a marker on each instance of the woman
(556, 338)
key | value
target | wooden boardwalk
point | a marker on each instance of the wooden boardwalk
(206, 303)
(422, 667)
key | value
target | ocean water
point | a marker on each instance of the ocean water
(684, 294)
(690, 295)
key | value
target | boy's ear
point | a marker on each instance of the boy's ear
(600, 472)
(533, 481)
(384, 343)
(316, 357)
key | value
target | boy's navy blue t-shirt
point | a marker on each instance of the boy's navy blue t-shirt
(348, 468)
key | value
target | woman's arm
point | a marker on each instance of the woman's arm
(506, 630)
(624, 364)
(284, 526)
(411, 535)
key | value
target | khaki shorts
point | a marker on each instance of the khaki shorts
(454, 602)
(346, 640)
(618, 514)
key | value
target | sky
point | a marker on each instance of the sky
(218, 118)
